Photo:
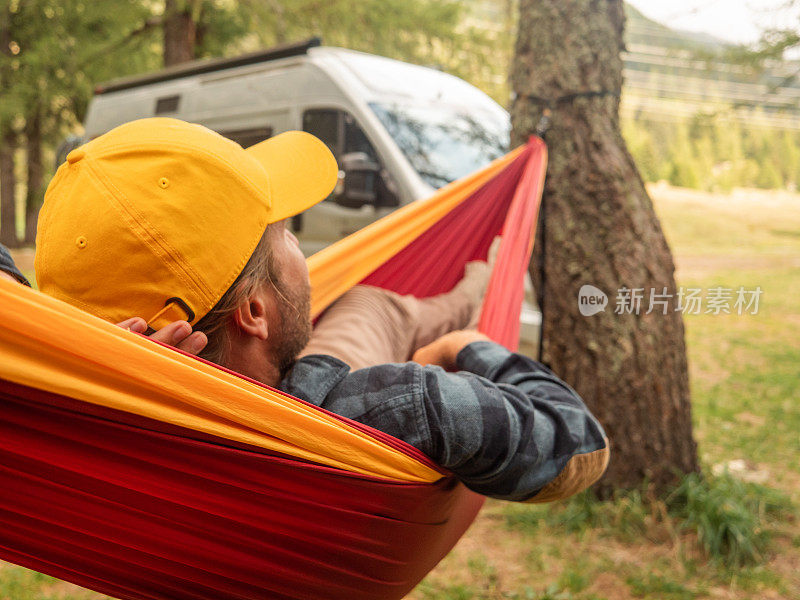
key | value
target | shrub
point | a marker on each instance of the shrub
(732, 518)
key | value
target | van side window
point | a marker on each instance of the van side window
(248, 137)
(343, 135)
(325, 124)
(355, 140)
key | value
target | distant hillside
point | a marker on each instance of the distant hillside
(690, 115)
(641, 29)
(672, 75)
(695, 118)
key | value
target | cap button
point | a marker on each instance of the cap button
(75, 156)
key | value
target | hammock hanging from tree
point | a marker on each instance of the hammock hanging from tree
(143, 473)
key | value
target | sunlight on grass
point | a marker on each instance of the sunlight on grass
(20, 584)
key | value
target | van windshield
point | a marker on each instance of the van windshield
(443, 143)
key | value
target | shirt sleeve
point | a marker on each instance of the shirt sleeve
(7, 265)
(509, 428)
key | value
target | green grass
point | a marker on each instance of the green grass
(626, 517)
(659, 587)
(734, 521)
(20, 584)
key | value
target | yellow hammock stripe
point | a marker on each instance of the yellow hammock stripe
(339, 267)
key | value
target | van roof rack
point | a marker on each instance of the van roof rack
(196, 67)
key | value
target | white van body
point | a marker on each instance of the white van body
(414, 127)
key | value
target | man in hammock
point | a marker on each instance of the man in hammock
(135, 215)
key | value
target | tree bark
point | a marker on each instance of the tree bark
(8, 142)
(8, 187)
(599, 228)
(180, 31)
(35, 178)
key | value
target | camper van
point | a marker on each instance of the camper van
(398, 131)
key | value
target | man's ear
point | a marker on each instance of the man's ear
(251, 317)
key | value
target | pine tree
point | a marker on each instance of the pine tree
(600, 229)
(54, 51)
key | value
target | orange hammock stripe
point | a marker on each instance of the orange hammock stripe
(48, 345)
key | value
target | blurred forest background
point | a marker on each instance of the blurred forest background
(697, 112)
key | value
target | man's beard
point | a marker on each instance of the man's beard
(295, 324)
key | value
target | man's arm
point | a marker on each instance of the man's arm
(505, 424)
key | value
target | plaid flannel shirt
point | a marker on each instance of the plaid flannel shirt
(504, 424)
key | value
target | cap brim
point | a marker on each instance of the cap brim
(302, 171)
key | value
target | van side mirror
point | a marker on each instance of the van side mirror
(361, 175)
(67, 146)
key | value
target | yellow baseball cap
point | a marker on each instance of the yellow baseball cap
(158, 217)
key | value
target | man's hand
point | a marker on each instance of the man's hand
(178, 334)
(443, 351)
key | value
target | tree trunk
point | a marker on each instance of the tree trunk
(35, 191)
(279, 12)
(8, 142)
(599, 228)
(180, 31)
(8, 187)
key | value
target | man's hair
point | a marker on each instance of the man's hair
(257, 272)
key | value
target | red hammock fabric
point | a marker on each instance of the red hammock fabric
(134, 509)
(139, 509)
(435, 261)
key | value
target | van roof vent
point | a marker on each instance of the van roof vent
(198, 67)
